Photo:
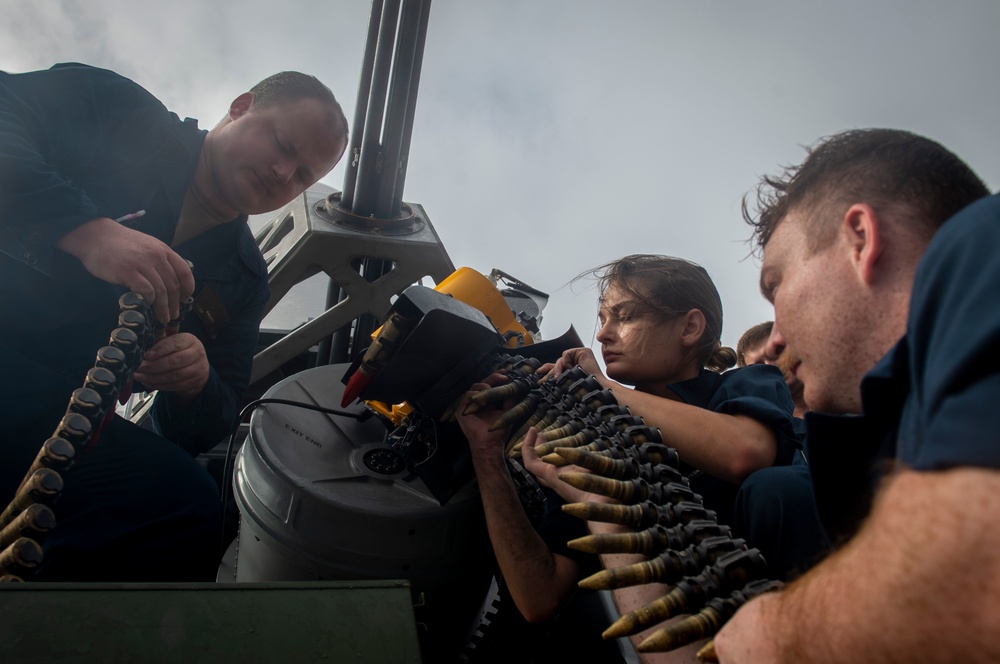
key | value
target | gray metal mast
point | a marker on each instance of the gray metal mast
(380, 143)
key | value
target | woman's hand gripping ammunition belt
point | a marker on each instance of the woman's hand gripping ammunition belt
(712, 573)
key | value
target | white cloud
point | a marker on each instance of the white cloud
(554, 136)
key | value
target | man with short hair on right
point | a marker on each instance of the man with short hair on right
(869, 282)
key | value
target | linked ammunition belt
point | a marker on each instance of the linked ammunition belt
(29, 518)
(711, 573)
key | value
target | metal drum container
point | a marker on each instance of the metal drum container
(327, 497)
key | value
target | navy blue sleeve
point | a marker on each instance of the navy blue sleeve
(760, 392)
(55, 124)
(207, 420)
(952, 414)
(200, 425)
(557, 528)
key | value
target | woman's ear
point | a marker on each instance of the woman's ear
(692, 327)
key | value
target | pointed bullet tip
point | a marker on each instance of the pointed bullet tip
(354, 386)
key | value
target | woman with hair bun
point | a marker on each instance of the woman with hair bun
(660, 328)
(661, 320)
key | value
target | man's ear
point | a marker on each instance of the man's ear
(863, 229)
(241, 105)
(693, 328)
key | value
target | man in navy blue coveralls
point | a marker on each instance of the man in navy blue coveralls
(879, 255)
(79, 148)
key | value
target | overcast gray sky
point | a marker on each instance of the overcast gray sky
(552, 136)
